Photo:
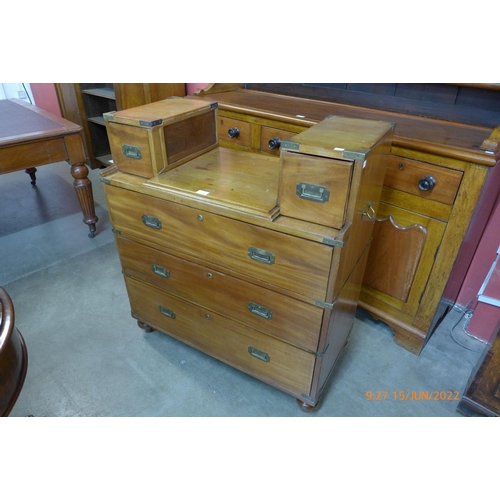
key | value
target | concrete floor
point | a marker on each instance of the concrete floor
(88, 358)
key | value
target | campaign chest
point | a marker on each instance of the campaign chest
(211, 258)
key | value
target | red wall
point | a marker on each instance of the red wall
(46, 97)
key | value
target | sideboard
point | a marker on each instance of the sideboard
(435, 173)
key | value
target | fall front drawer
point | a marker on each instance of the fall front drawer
(292, 263)
(289, 319)
(255, 353)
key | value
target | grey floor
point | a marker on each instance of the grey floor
(88, 358)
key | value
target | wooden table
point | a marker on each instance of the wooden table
(31, 137)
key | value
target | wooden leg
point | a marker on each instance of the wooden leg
(32, 171)
(145, 327)
(83, 188)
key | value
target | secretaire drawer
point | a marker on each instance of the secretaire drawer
(286, 261)
(256, 353)
(281, 316)
(423, 179)
(314, 189)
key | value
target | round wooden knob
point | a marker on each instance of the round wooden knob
(274, 143)
(427, 183)
(233, 132)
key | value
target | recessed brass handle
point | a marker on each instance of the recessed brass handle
(167, 312)
(261, 255)
(261, 311)
(150, 221)
(259, 354)
(160, 271)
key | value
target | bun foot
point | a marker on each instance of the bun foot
(305, 406)
(145, 327)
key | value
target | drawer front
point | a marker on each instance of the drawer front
(423, 179)
(235, 131)
(283, 260)
(270, 139)
(314, 189)
(283, 317)
(130, 149)
(271, 360)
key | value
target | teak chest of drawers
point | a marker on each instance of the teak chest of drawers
(256, 260)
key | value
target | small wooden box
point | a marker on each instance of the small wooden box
(317, 165)
(157, 137)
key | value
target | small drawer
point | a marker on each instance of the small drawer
(278, 315)
(286, 261)
(270, 139)
(235, 131)
(314, 189)
(423, 179)
(253, 352)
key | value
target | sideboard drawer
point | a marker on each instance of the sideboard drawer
(256, 353)
(270, 312)
(235, 131)
(270, 139)
(423, 179)
(292, 263)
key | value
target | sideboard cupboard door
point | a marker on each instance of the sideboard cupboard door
(401, 258)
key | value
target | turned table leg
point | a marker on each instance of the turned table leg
(83, 188)
(31, 172)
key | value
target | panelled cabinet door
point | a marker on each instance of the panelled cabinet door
(401, 257)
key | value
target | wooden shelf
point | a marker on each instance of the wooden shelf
(99, 120)
(105, 92)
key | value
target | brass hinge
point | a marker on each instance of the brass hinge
(106, 181)
(116, 231)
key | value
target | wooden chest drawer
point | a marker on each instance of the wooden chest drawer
(278, 315)
(288, 262)
(255, 353)
(235, 131)
(423, 179)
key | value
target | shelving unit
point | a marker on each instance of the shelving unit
(85, 104)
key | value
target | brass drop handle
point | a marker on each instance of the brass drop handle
(275, 143)
(233, 132)
(426, 183)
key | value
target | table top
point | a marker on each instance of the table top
(21, 122)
